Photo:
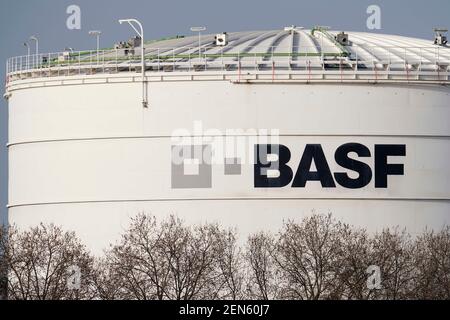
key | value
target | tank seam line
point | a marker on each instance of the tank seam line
(196, 136)
(221, 199)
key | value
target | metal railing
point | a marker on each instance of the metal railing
(228, 58)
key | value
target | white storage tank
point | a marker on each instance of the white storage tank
(358, 128)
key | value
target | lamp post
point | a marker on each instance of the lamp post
(140, 33)
(97, 34)
(35, 39)
(28, 53)
(199, 30)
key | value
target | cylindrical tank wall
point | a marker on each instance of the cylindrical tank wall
(88, 157)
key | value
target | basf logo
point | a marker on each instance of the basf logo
(275, 165)
(283, 174)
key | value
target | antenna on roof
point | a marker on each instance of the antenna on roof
(322, 27)
(293, 28)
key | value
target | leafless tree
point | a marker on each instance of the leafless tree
(322, 258)
(3, 264)
(350, 282)
(308, 255)
(392, 251)
(170, 260)
(263, 281)
(230, 262)
(432, 265)
(39, 263)
(316, 258)
(106, 283)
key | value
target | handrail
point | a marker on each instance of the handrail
(33, 61)
(388, 58)
(324, 31)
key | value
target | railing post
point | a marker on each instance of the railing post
(439, 55)
(39, 65)
(239, 66)
(405, 56)
(190, 62)
(204, 59)
(49, 64)
(68, 67)
(117, 62)
(159, 59)
(223, 62)
(173, 59)
(420, 62)
(438, 64)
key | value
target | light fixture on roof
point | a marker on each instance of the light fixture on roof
(199, 30)
(342, 38)
(28, 48)
(36, 40)
(221, 39)
(440, 38)
(140, 32)
(97, 34)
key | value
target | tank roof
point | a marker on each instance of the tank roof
(307, 44)
(315, 54)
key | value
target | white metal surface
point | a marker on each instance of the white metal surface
(307, 52)
(85, 154)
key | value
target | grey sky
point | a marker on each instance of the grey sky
(19, 19)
